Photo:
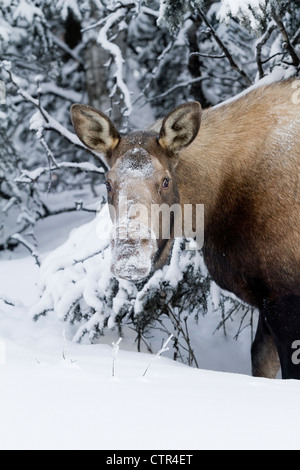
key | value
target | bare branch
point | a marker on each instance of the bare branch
(296, 38)
(7, 302)
(12, 242)
(160, 61)
(224, 48)
(259, 47)
(176, 87)
(273, 57)
(242, 327)
(288, 44)
(209, 56)
(67, 49)
(177, 323)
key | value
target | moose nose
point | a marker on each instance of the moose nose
(134, 267)
(130, 273)
(132, 259)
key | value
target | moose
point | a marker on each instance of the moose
(241, 160)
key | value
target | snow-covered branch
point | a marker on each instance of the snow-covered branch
(33, 176)
(115, 51)
(52, 89)
(29, 247)
(296, 38)
(48, 122)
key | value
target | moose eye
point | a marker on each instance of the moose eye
(108, 187)
(166, 183)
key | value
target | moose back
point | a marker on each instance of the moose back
(241, 161)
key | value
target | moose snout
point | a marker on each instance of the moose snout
(132, 259)
(129, 272)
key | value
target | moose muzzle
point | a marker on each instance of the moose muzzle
(133, 248)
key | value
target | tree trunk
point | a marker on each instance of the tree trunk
(97, 76)
(195, 64)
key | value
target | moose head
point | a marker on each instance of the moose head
(142, 180)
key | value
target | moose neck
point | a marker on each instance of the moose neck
(219, 165)
(218, 169)
(200, 171)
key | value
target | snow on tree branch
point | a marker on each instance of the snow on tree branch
(116, 53)
(33, 176)
(29, 247)
(44, 121)
(67, 6)
(172, 13)
(253, 10)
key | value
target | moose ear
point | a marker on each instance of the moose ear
(94, 129)
(180, 127)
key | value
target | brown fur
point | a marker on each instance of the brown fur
(244, 166)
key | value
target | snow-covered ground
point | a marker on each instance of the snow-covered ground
(48, 402)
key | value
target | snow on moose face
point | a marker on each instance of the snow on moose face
(134, 187)
(142, 187)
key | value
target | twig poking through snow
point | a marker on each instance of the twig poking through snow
(65, 352)
(116, 347)
(157, 356)
(7, 302)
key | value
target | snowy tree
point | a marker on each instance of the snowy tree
(41, 72)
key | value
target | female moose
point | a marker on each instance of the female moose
(242, 161)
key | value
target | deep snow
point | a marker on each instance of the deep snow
(47, 402)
